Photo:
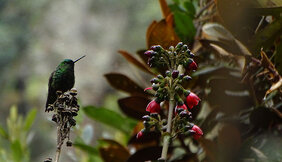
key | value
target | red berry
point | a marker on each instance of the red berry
(198, 132)
(192, 100)
(139, 135)
(183, 107)
(193, 66)
(175, 73)
(153, 107)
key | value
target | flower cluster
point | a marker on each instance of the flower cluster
(169, 87)
(65, 108)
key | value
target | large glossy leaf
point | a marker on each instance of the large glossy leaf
(134, 106)
(228, 95)
(110, 118)
(122, 82)
(237, 18)
(209, 122)
(216, 34)
(134, 61)
(229, 140)
(210, 148)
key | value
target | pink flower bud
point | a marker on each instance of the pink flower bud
(139, 135)
(153, 107)
(149, 88)
(192, 100)
(198, 132)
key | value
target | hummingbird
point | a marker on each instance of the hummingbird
(62, 79)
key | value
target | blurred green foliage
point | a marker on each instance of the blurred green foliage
(15, 140)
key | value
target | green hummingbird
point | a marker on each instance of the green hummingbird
(62, 79)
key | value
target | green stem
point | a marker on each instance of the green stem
(167, 135)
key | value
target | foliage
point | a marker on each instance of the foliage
(238, 47)
(17, 136)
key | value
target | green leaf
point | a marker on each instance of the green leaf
(86, 148)
(29, 119)
(110, 118)
(267, 36)
(3, 133)
(184, 25)
(17, 151)
(190, 9)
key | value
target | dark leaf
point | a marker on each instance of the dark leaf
(229, 140)
(278, 56)
(275, 11)
(113, 151)
(210, 148)
(123, 83)
(267, 36)
(238, 18)
(110, 118)
(209, 122)
(155, 35)
(262, 117)
(134, 61)
(134, 106)
(145, 154)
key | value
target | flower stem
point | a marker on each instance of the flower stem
(59, 144)
(167, 135)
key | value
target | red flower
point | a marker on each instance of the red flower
(183, 106)
(153, 107)
(139, 134)
(197, 132)
(149, 88)
(193, 66)
(192, 100)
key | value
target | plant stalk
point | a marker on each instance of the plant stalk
(58, 153)
(59, 145)
(167, 136)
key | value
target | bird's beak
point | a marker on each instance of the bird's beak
(79, 58)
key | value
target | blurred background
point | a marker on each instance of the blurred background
(35, 36)
(240, 85)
